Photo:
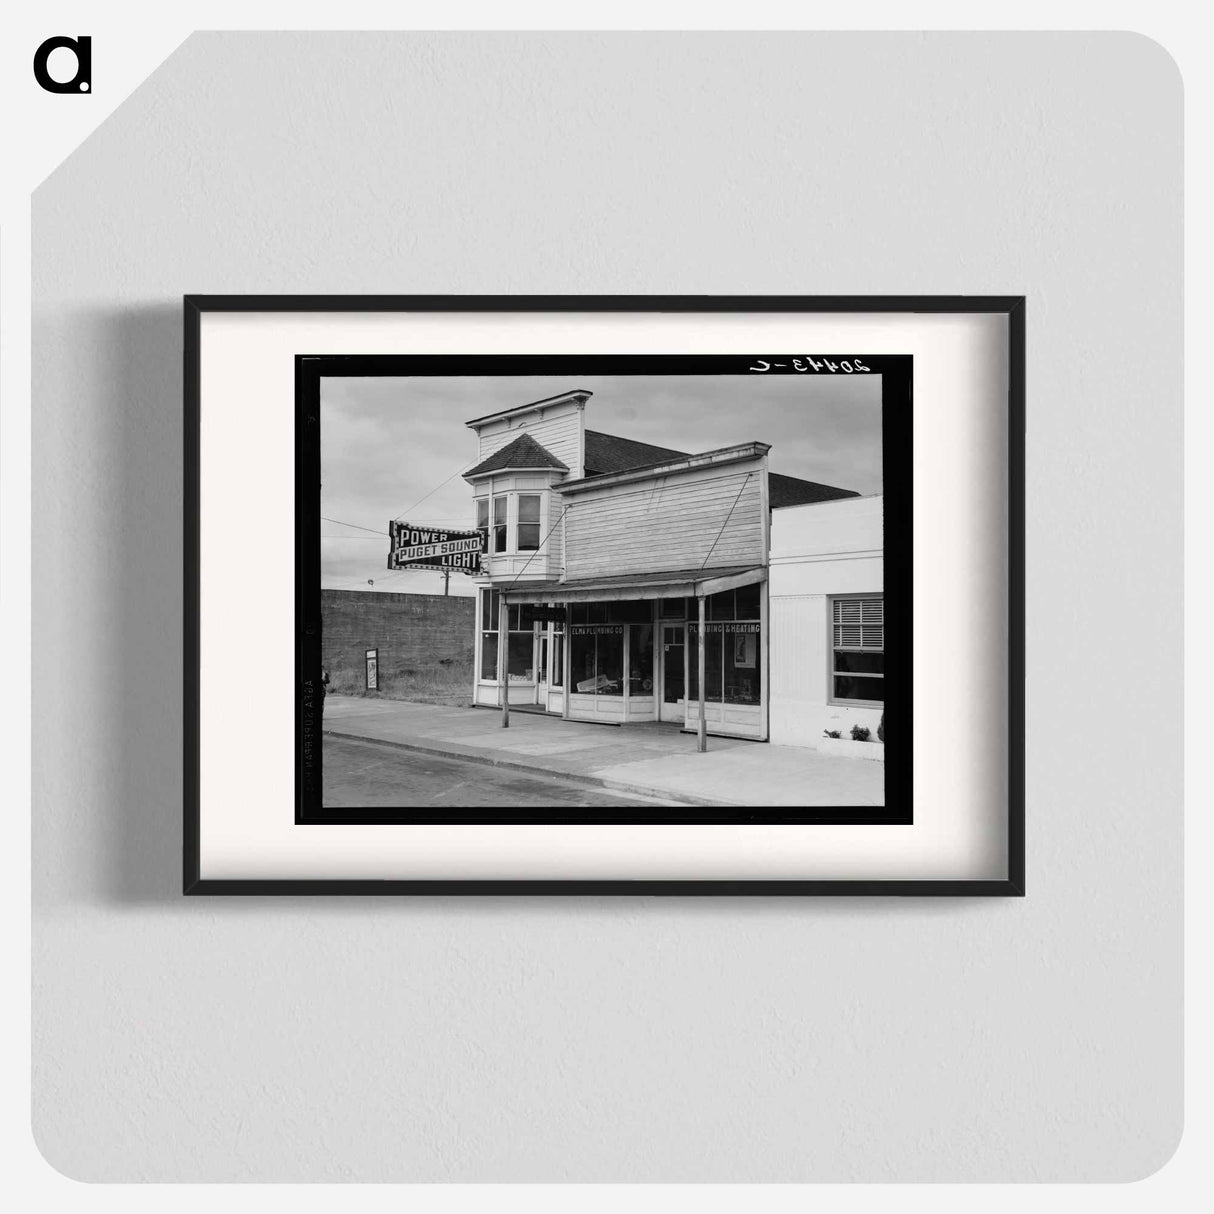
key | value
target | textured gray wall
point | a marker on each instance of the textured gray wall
(629, 1039)
(420, 637)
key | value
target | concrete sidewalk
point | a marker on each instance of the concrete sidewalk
(653, 760)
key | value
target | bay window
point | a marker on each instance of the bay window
(500, 505)
(514, 521)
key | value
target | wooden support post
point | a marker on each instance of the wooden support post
(566, 647)
(702, 732)
(503, 639)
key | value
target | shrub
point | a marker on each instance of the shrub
(860, 733)
(881, 728)
(831, 733)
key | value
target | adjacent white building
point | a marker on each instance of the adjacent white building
(828, 618)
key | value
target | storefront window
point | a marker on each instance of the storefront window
(520, 647)
(518, 625)
(588, 613)
(741, 664)
(733, 669)
(713, 665)
(640, 660)
(597, 659)
(558, 656)
(520, 657)
(489, 601)
(630, 611)
(489, 657)
(746, 602)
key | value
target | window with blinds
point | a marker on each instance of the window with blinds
(858, 650)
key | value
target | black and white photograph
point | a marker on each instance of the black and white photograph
(643, 588)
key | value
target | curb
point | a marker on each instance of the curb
(640, 790)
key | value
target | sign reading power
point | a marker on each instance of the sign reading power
(418, 547)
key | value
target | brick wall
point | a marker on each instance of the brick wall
(420, 637)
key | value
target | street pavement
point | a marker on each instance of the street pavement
(648, 760)
(374, 775)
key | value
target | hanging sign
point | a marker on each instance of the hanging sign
(419, 547)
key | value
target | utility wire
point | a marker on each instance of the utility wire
(564, 511)
(458, 472)
(725, 524)
(356, 526)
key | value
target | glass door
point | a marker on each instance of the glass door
(551, 654)
(541, 665)
(673, 669)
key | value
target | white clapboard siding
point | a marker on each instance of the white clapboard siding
(552, 545)
(671, 523)
(558, 431)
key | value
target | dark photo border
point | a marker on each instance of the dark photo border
(897, 387)
(895, 373)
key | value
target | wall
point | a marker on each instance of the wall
(418, 636)
(819, 550)
(615, 1039)
(667, 522)
(558, 429)
(800, 675)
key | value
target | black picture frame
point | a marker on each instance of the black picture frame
(195, 306)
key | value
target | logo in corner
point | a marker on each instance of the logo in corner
(82, 48)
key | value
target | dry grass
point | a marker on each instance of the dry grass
(443, 686)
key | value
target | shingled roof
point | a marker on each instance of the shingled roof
(793, 491)
(609, 453)
(523, 452)
(606, 453)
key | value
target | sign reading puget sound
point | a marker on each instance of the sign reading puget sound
(418, 547)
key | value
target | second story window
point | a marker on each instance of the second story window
(499, 523)
(528, 522)
(514, 521)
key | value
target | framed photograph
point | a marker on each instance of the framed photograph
(684, 595)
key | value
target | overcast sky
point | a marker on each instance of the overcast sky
(389, 444)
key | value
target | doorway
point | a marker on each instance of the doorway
(550, 667)
(673, 670)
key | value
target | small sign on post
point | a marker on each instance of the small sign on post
(372, 669)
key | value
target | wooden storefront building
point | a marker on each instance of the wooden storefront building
(624, 582)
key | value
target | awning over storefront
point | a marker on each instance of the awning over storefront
(680, 583)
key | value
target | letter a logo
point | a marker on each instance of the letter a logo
(82, 81)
